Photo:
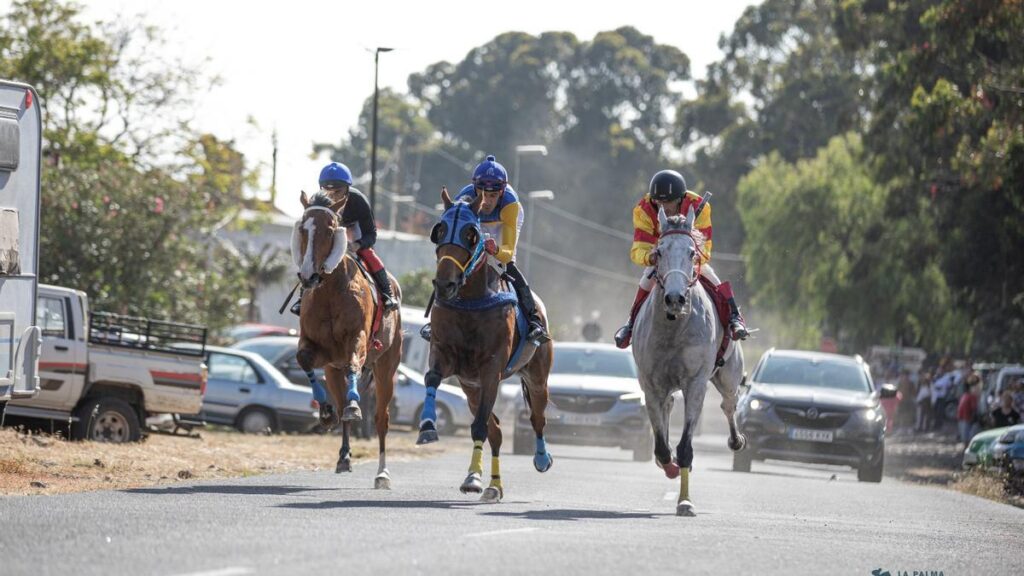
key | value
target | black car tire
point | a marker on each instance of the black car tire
(643, 451)
(522, 442)
(250, 418)
(872, 473)
(741, 460)
(445, 424)
(122, 416)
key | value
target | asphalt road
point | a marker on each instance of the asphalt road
(595, 512)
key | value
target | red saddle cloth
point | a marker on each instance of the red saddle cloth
(378, 307)
(723, 311)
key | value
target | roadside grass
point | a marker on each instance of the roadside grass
(32, 463)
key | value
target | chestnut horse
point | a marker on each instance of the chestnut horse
(336, 323)
(474, 337)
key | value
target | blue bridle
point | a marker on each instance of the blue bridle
(454, 228)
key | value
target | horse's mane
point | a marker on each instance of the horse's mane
(678, 222)
(321, 199)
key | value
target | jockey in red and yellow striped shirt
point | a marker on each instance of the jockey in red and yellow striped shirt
(668, 190)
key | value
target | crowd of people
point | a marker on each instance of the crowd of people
(925, 400)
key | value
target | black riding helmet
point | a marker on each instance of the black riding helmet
(667, 186)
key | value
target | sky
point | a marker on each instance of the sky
(305, 67)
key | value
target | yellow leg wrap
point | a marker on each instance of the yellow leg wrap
(476, 464)
(684, 484)
(495, 472)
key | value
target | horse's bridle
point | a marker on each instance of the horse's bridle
(476, 252)
(314, 280)
(699, 255)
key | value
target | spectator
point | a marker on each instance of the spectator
(967, 409)
(940, 390)
(905, 412)
(924, 403)
(1005, 415)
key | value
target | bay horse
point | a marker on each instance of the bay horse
(336, 324)
(475, 337)
(676, 344)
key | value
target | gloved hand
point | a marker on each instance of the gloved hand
(490, 246)
(652, 257)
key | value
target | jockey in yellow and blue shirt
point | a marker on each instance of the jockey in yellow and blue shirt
(501, 219)
(668, 190)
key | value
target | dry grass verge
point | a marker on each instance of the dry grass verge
(43, 464)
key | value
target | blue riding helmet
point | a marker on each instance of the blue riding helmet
(335, 172)
(490, 175)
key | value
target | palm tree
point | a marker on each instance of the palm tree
(265, 266)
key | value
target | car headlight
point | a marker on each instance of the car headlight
(758, 405)
(632, 398)
(870, 414)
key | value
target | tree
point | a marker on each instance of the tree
(417, 287)
(823, 254)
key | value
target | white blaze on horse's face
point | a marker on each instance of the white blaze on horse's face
(677, 251)
(318, 243)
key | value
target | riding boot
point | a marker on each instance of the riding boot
(295, 307)
(625, 334)
(384, 284)
(736, 324)
(538, 333)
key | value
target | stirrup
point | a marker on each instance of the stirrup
(390, 304)
(623, 335)
(295, 307)
(425, 332)
(739, 330)
(538, 335)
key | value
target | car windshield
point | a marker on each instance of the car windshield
(594, 361)
(269, 350)
(820, 373)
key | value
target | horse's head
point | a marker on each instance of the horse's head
(679, 250)
(460, 245)
(318, 240)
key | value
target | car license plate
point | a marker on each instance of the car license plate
(581, 419)
(811, 435)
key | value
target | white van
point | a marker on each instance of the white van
(20, 149)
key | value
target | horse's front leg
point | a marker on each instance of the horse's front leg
(694, 399)
(352, 411)
(479, 428)
(659, 404)
(345, 453)
(428, 415)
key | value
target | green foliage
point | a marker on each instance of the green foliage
(417, 287)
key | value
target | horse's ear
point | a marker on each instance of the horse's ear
(446, 198)
(338, 206)
(689, 218)
(477, 202)
(662, 219)
(304, 199)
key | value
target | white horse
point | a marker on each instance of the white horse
(675, 343)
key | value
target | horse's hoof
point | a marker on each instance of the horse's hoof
(382, 481)
(472, 485)
(685, 508)
(543, 462)
(737, 444)
(344, 465)
(352, 413)
(671, 470)
(492, 495)
(426, 437)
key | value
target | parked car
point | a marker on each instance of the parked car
(245, 391)
(248, 330)
(979, 449)
(106, 373)
(594, 400)
(813, 407)
(280, 352)
(452, 408)
(1008, 451)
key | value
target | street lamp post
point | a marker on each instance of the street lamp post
(397, 199)
(534, 195)
(373, 138)
(516, 181)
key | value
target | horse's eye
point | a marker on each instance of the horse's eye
(438, 232)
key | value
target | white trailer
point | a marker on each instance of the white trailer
(21, 127)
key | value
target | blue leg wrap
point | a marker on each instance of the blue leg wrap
(353, 387)
(542, 460)
(430, 405)
(319, 392)
(542, 446)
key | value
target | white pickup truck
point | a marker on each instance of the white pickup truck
(105, 373)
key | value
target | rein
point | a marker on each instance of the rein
(470, 266)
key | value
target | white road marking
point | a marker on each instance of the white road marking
(230, 571)
(501, 532)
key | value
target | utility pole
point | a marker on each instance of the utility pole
(273, 170)
(373, 143)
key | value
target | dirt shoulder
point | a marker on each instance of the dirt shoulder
(43, 464)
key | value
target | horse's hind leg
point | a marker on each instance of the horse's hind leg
(727, 381)
(535, 389)
(384, 381)
(694, 399)
(345, 453)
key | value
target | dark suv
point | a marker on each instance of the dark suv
(813, 407)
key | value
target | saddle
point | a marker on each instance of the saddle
(378, 307)
(723, 312)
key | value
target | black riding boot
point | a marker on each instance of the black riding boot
(537, 331)
(736, 324)
(384, 285)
